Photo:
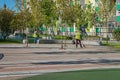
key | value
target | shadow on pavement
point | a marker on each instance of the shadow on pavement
(74, 52)
(1, 56)
(85, 61)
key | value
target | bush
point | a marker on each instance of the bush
(10, 40)
(60, 37)
(91, 38)
(116, 34)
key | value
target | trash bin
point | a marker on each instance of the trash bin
(25, 41)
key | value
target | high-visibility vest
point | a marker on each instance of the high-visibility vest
(34, 35)
(77, 36)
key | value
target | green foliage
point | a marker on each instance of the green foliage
(70, 14)
(116, 34)
(10, 41)
(6, 17)
(17, 22)
(115, 45)
(48, 11)
(58, 37)
(91, 37)
(43, 12)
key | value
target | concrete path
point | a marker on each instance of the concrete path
(21, 61)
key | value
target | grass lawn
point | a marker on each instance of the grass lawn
(117, 45)
(112, 44)
(98, 74)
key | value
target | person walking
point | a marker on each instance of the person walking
(78, 39)
(35, 35)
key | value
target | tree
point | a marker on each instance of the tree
(16, 23)
(67, 11)
(35, 11)
(90, 15)
(19, 19)
(73, 12)
(23, 16)
(26, 18)
(44, 12)
(6, 17)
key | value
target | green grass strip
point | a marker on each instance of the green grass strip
(101, 74)
(112, 44)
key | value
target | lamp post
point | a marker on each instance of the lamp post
(107, 28)
(60, 20)
(24, 22)
(107, 37)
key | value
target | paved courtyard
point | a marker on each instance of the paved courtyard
(21, 61)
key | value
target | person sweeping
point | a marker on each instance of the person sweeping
(78, 39)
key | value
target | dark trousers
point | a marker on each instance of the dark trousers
(78, 41)
(35, 40)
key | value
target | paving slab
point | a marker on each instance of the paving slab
(20, 61)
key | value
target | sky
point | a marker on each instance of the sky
(10, 4)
